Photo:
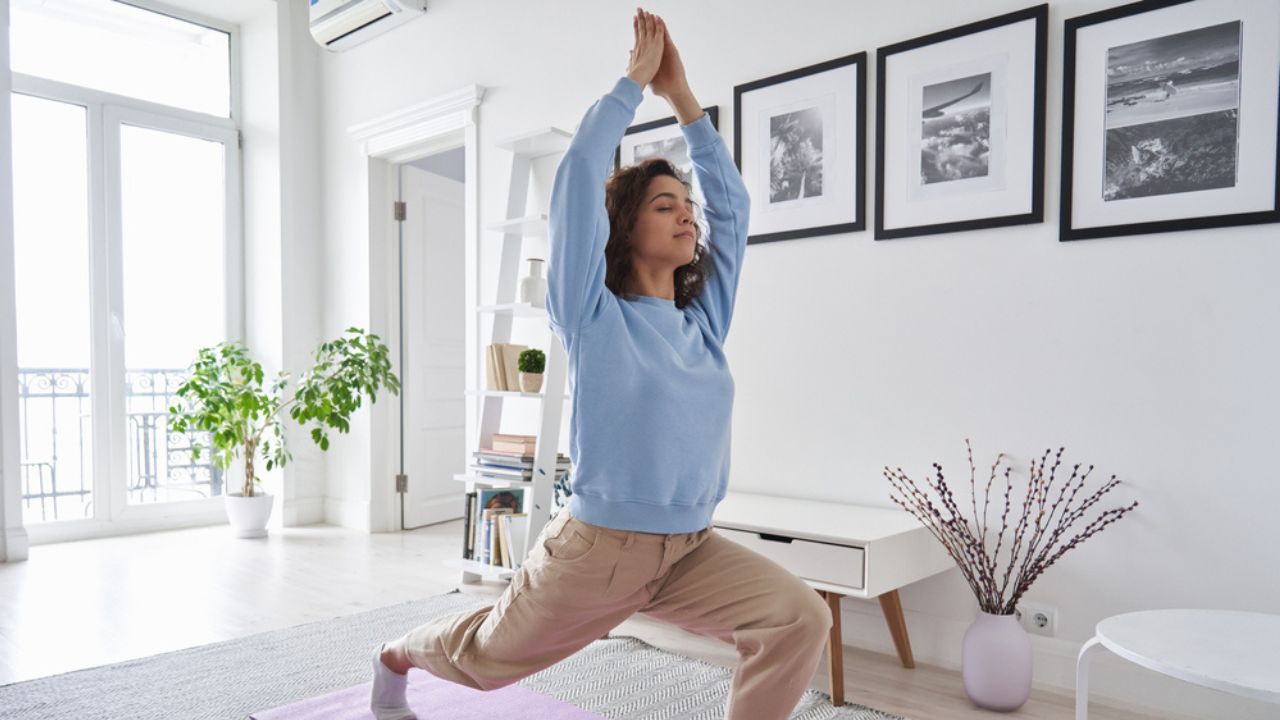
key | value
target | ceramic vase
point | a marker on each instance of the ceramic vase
(995, 662)
(533, 287)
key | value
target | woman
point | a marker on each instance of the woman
(642, 310)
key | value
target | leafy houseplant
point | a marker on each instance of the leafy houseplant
(224, 397)
(1041, 535)
(531, 363)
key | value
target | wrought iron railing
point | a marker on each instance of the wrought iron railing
(54, 407)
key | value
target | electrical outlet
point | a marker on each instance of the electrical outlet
(1038, 619)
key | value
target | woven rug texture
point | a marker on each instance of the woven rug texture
(619, 677)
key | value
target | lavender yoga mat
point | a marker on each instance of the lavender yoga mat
(432, 697)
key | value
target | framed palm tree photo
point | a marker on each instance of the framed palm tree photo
(800, 143)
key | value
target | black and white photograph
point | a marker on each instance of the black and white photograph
(1173, 111)
(795, 156)
(660, 138)
(960, 128)
(1169, 118)
(799, 142)
(955, 129)
(673, 149)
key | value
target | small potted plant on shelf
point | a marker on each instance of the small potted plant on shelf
(531, 364)
(224, 397)
(995, 658)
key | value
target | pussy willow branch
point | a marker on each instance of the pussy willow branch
(1037, 534)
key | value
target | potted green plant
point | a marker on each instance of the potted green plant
(224, 397)
(531, 363)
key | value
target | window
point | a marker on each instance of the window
(124, 50)
(128, 253)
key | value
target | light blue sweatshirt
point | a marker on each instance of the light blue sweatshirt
(651, 391)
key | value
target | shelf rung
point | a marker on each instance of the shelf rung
(539, 142)
(530, 226)
(509, 393)
(492, 482)
(516, 309)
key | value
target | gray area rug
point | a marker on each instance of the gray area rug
(621, 677)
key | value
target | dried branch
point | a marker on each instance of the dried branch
(1037, 535)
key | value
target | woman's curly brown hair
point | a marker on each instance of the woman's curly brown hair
(624, 194)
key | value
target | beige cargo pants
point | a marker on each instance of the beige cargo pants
(581, 580)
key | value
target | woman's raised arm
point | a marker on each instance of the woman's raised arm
(579, 223)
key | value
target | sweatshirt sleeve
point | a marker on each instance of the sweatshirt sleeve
(727, 207)
(579, 223)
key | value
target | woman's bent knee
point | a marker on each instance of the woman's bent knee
(816, 614)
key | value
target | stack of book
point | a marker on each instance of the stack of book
(502, 366)
(496, 527)
(511, 457)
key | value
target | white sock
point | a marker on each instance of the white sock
(387, 699)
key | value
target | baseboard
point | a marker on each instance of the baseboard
(1112, 681)
(304, 511)
(16, 545)
(352, 514)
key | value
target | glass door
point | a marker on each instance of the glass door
(56, 392)
(171, 237)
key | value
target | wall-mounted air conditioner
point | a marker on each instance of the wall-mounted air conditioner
(340, 24)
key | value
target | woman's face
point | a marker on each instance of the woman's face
(664, 233)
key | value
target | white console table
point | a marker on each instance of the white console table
(1232, 651)
(840, 550)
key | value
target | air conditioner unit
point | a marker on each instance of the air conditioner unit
(340, 24)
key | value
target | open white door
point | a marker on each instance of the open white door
(433, 431)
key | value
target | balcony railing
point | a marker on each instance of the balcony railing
(54, 406)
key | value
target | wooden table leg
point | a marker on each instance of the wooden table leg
(892, 608)
(835, 649)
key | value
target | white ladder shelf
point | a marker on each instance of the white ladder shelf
(522, 222)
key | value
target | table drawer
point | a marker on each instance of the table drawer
(809, 559)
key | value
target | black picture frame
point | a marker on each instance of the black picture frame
(858, 61)
(713, 111)
(1039, 14)
(1068, 231)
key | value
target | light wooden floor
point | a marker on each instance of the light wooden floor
(82, 604)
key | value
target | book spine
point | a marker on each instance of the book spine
(468, 503)
(490, 368)
(492, 543)
(500, 352)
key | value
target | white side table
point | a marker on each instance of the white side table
(1232, 651)
(840, 550)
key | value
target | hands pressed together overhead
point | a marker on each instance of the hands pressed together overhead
(654, 60)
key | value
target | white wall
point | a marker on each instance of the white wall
(260, 130)
(1151, 357)
(281, 97)
(299, 89)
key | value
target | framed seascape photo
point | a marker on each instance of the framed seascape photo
(660, 138)
(960, 127)
(800, 144)
(1169, 117)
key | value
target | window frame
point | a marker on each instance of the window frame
(105, 114)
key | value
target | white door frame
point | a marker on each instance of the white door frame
(442, 123)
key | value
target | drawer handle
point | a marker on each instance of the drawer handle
(775, 538)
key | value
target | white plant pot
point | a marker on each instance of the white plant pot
(530, 382)
(249, 515)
